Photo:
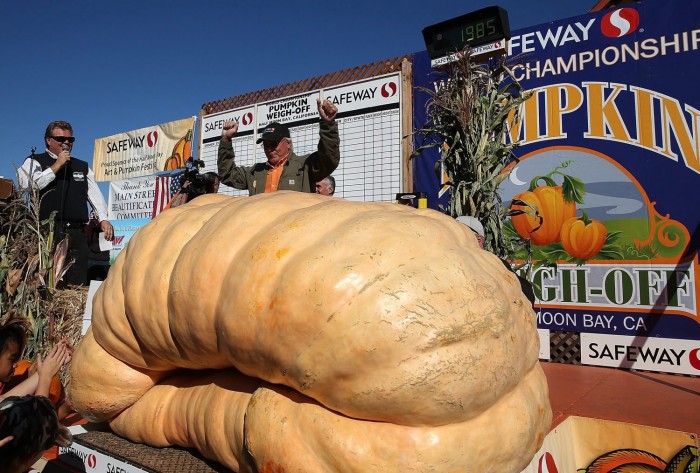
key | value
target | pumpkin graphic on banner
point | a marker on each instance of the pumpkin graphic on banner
(181, 152)
(574, 204)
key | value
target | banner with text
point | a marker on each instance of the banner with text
(145, 151)
(609, 155)
(369, 124)
(131, 198)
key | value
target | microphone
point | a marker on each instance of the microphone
(66, 147)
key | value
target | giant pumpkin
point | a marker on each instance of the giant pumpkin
(295, 332)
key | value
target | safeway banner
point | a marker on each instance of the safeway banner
(609, 163)
(145, 151)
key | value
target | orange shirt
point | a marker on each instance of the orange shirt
(273, 177)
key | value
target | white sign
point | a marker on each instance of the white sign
(213, 125)
(479, 52)
(243, 143)
(664, 355)
(369, 123)
(87, 315)
(289, 109)
(131, 198)
(89, 460)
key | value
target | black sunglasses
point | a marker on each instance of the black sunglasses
(63, 139)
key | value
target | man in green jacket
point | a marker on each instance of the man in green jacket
(283, 170)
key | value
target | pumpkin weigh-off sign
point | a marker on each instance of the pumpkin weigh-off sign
(603, 189)
(336, 349)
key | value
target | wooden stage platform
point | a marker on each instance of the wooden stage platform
(637, 397)
(651, 399)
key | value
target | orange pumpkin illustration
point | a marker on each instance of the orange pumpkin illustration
(181, 152)
(582, 237)
(552, 210)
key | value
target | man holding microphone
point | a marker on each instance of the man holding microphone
(66, 185)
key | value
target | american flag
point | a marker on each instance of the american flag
(167, 185)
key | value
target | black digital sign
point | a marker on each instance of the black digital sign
(477, 28)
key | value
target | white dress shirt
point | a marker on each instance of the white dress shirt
(43, 178)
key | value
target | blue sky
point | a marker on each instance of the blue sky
(111, 67)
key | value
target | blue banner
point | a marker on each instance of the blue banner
(615, 108)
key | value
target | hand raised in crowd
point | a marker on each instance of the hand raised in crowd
(230, 130)
(327, 110)
(33, 368)
(60, 354)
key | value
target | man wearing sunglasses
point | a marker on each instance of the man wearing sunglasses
(68, 185)
(283, 170)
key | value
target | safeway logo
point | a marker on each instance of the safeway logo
(620, 22)
(546, 464)
(693, 358)
(152, 138)
(389, 89)
(91, 460)
(247, 119)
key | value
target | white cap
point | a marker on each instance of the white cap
(472, 223)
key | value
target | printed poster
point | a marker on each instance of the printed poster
(144, 151)
(609, 158)
(131, 198)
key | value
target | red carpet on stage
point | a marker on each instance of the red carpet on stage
(657, 400)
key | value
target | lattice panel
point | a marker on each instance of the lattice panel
(565, 347)
(334, 78)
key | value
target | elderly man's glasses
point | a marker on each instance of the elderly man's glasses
(63, 139)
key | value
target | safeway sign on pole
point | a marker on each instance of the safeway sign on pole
(145, 151)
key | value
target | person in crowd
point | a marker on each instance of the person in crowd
(211, 181)
(326, 186)
(12, 340)
(475, 226)
(406, 198)
(28, 426)
(66, 185)
(283, 170)
(208, 183)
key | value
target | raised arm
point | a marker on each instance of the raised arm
(229, 173)
(324, 161)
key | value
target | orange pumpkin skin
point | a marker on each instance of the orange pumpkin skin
(391, 330)
(21, 372)
(582, 240)
(551, 206)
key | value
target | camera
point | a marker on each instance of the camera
(196, 183)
